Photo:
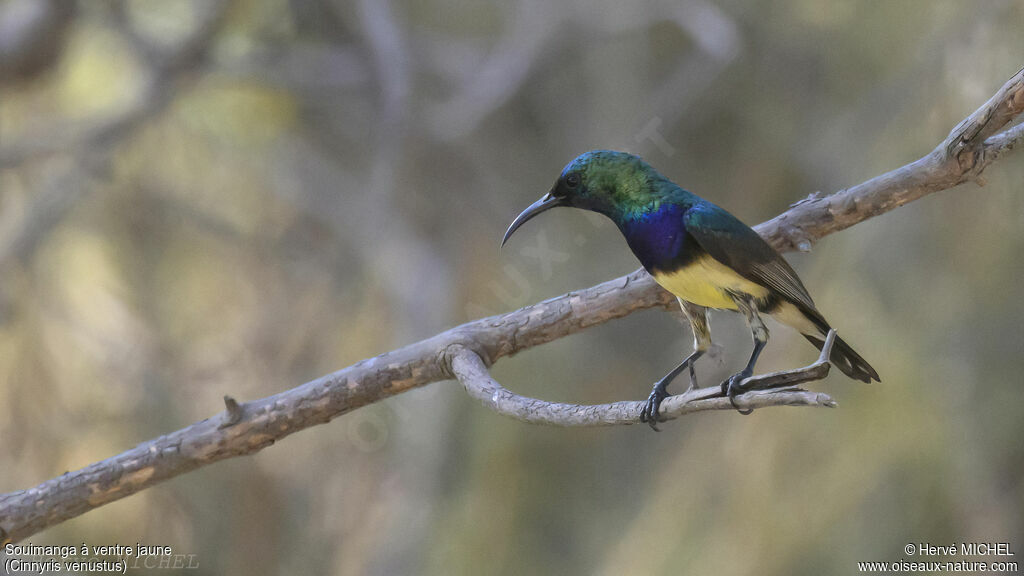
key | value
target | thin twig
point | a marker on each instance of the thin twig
(775, 389)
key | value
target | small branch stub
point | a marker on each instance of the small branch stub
(233, 412)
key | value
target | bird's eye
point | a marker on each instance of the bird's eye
(572, 180)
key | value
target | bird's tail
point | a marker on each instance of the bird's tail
(846, 359)
(842, 356)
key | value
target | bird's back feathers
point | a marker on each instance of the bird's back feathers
(728, 240)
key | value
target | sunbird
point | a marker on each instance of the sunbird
(706, 257)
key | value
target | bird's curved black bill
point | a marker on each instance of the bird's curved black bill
(547, 202)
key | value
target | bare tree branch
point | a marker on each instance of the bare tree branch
(775, 389)
(468, 349)
(961, 157)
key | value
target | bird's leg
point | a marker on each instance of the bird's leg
(701, 328)
(759, 331)
(698, 317)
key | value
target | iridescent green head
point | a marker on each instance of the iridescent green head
(616, 184)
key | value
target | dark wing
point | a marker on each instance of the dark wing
(736, 245)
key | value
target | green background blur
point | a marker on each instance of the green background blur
(332, 180)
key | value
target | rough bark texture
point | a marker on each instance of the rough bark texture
(247, 428)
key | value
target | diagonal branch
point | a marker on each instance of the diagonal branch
(249, 427)
(775, 389)
(970, 147)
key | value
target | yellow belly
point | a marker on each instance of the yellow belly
(705, 281)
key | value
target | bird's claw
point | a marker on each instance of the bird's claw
(649, 413)
(732, 387)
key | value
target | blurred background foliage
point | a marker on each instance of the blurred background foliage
(308, 183)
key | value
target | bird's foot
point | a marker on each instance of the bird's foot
(734, 386)
(649, 413)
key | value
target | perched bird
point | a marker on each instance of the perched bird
(700, 253)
